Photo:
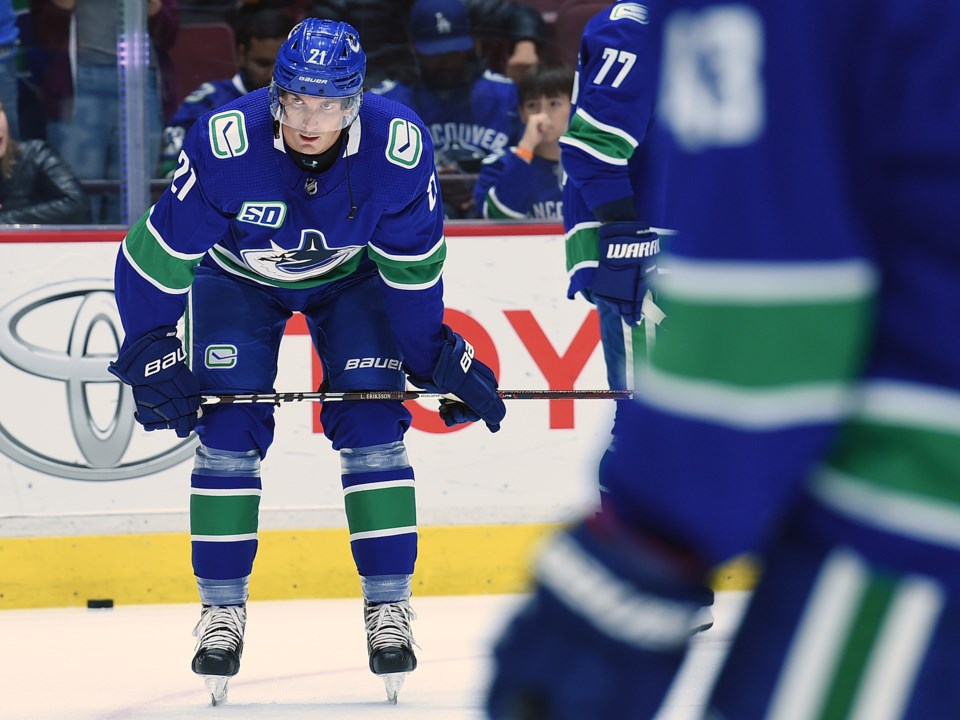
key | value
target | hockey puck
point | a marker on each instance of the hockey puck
(99, 604)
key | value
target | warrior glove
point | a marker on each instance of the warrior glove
(603, 634)
(628, 261)
(166, 393)
(459, 373)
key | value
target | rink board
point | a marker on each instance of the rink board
(91, 506)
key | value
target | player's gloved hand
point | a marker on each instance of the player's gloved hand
(459, 373)
(628, 261)
(603, 635)
(167, 394)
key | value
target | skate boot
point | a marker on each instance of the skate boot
(390, 643)
(219, 636)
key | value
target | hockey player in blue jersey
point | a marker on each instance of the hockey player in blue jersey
(803, 405)
(524, 181)
(614, 190)
(470, 111)
(259, 34)
(302, 197)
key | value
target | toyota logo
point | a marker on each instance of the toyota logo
(77, 312)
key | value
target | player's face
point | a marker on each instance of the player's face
(557, 108)
(311, 115)
(257, 60)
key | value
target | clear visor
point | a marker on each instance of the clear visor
(312, 115)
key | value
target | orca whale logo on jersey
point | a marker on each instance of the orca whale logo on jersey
(228, 134)
(314, 257)
(406, 143)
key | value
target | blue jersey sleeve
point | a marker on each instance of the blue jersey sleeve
(617, 75)
(156, 262)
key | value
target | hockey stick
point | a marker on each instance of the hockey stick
(277, 398)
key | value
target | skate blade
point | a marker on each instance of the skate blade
(217, 687)
(393, 682)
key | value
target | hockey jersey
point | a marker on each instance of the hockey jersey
(814, 286)
(239, 203)
(207, 97)
(612, 167)
(509, 188)
(466, 123)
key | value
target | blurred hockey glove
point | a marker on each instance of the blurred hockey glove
(628, 261)
(603, 635)
(166, 393)
(459, 373)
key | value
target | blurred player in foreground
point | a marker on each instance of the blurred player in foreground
(804, 404)
(302, 197)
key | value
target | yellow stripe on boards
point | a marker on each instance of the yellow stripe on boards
(290, 564)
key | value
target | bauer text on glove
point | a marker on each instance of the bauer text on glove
(166, 393)
(459, 373)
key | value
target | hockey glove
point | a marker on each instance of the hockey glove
(459, 373)
(166, 393)
(603, 635)
(628, 261)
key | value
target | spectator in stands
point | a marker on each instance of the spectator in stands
(259, 34)
(471, 112)
(524, 182)
(9, 33)
(36, 186)
(83, 87)
(383, 29)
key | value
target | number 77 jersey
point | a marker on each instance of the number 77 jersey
(613, 167)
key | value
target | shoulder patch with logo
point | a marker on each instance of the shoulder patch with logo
(630, 11)
(406, 143)
(268, 214)
(228, 134)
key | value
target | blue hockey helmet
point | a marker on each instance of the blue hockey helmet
(320, 59)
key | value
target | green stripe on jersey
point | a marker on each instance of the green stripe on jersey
(401, 271)
(761, 346)
(917, 462)
(384, 508)
(582, 245)
(224, 514)
(860, 642)
(148, 252)
(604, 142)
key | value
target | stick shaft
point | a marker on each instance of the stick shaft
(288, 397)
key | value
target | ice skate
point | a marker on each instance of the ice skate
(219, 636)
(390, 643)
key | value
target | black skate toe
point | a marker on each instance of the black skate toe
(392, 660)
(214, 661)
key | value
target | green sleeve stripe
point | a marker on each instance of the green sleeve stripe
(926, 520)
(758, 347)
(582, 247)
(382, 509)
(768, 282)
(751, 409)
(495, 210)
(901, 460)
(164, 268)
(215, 515)
(860, 642)
(601, 141)
(411, 272)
